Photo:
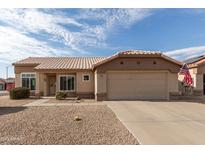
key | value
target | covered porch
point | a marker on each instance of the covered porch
(47, 84)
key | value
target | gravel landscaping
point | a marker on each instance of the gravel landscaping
(53, 100)
(56, 125)
(6, 101)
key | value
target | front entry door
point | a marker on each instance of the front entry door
(52, 85)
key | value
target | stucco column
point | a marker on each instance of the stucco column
(57, 83)
(198, 87)
(100, 86)
(18, 80)
(45, 81)
(37, 83)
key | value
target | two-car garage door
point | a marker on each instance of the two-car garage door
(137, 85)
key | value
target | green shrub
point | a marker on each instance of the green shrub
(61, 95)
(19, 93)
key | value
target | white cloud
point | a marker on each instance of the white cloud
(186, 53)
(115, 17)
(15, 45)
(19, 28)
(36, 21)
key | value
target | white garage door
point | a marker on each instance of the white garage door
(137, 85)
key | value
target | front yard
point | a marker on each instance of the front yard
(69, 101)
(56, 125)
(5, 101)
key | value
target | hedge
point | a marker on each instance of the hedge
(19, 93)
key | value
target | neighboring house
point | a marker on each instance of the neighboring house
(10, 83)
(2, 84)
(127, 75)
(197, 70)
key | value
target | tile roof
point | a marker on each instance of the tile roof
(61, 62)
(136, 53)
(139, 52)
(194, 59)
(84, 62)
(33, 60)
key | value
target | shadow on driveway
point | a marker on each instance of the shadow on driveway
(9, 110)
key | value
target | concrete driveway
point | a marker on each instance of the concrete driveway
(162, 122)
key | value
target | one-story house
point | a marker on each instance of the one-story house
(126, 75)
(196, 67)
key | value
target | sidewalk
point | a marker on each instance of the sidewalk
(4, 93)
(38, 102)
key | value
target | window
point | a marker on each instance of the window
(67, 82)
(86, 77)
(29, 80)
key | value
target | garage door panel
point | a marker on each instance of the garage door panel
(137, 85)
(136, 76)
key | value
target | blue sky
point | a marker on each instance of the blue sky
(179, 33)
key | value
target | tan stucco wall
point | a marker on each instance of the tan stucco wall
(45, 85)
(200, 69)
(173, 82)
(19, 69)
(84, 86)
(17, 80)
(37, 83)
(199, 82)
(145, 64)
(81, 86)
(199, 77)
(57, 82)
(41, 79)
(100, 82)
(130, 64)
(95, 82)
